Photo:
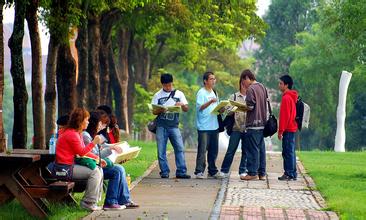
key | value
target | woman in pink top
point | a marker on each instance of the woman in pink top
(70, 144)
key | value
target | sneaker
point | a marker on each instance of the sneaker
(113, 207)
(199, 176)
(90, 206)
(183, 176)
(262, 177)
(284, 177)
(242, 175)
(225, 174)
(131, 205)
(249, 177)
(217, 175)
(164, 176)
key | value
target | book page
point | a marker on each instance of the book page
(242, 107)
(222, 104)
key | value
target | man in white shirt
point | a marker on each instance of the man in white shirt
(167, 127)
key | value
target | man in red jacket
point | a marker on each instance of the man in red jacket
(288, 127)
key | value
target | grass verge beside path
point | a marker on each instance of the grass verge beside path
(135, 167)
(341, 179)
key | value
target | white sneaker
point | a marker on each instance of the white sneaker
(243, 174)
(225, 174)
(199, 176)
(218, 175)
(90, 206)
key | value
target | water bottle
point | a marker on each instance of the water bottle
(52, 144)
(128, 179)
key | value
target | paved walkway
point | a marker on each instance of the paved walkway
(230, 198)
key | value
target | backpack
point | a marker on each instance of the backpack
(302, 114)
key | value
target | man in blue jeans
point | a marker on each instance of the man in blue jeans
(167, 127)
(287, 127)
(256, 101)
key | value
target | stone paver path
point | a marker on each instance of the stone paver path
(273, 199)
(228, 199)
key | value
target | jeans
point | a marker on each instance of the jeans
(256, 152)
(289, 154)
(162, 135)
(234, 140)
(207, 141)
(117, 191)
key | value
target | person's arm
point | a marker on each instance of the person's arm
(183, 102)
(78, 145)
(250, 99)
(284, 117)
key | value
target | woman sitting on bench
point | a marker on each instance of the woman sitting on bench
(118, 194)
(70, 144)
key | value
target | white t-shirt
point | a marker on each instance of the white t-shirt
(161, 98)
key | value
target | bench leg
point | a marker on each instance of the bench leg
(35, 208)
(5, 195)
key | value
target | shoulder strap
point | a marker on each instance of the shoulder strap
(234, 96)
(172, 93)
(269, 104)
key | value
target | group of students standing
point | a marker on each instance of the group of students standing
(248, 127)
(85, 140)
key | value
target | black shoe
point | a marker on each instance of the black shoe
(284, 177)
(164, 176)
(183, 176)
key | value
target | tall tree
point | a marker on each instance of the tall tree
(20, 98)
(66, 80)
(285, 20)
(37, 79)
(2, 135)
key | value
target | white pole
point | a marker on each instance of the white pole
(340, 138)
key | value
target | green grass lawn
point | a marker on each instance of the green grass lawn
(341, 179)
(135, 167)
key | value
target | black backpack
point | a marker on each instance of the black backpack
(299, 112)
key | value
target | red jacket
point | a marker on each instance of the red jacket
(69, 144)
(288, 112)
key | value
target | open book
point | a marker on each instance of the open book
(242, 107)
(222, 104)
(128, 153)
(169, 109)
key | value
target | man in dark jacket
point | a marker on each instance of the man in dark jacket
(288, 127)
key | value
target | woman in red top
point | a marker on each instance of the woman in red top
(70, 144)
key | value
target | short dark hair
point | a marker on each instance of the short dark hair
(247, 74)
(206, 75)
(166, 78)
(287, 80)
(62, 120)
(105, 108)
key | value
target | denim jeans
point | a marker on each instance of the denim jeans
(162, 135)
(207, 141)
(289, 154)
(256, 152)
(234, 140)
(117, 191)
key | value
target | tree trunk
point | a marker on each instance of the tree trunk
(66, 80)
(2, 135)
(20, 97)
(94, 46)
(124, 41)
(107, 21)
(50, 94)
(142, 63)
(82, 47)
(116, 89)
(37, 80)
(131, 84)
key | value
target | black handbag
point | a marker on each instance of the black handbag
(152, 125)
(61, 171)
(229, 121)
(270, 128)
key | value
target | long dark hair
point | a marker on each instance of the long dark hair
(95, 118)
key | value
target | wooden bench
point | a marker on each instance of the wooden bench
(56, 191)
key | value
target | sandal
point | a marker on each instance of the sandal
(131, 205)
